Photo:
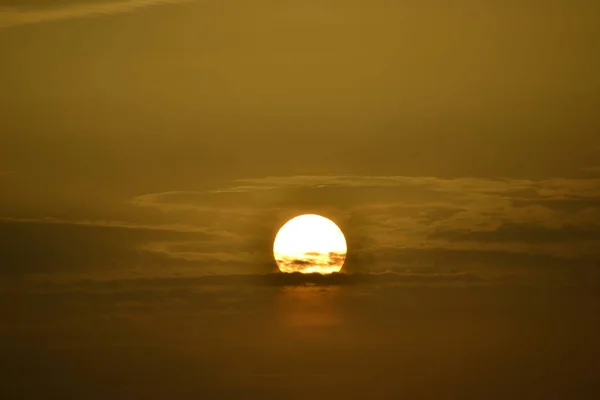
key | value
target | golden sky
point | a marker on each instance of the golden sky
(147, 144)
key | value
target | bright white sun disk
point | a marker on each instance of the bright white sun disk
(310, 244)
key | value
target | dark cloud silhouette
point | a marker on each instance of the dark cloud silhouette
(336, 258)
(309, 260)
(53, 248)
(442, 257)
(298, 263)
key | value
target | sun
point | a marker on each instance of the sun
(308, 244)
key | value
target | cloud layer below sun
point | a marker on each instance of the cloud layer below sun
(14, 13)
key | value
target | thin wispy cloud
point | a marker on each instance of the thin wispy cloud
(543, 188)
(108, 224)
(551, 218)
(11, 15)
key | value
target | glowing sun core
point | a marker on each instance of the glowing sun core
(310, 244)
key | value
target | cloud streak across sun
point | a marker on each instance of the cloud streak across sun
(12, 14)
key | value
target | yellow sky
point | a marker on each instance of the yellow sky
(151, 149)
(396, 118)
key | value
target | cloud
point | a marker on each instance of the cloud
(568, 205)
(519, 187)
(175, 284)
(137, 289)
(392, 223)
(107, 224)
(97, 249)
(523, 234)
(438, 196)
(383, 215)
(438, 184)
(201, 202)
(14, 13)
(311, 262)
